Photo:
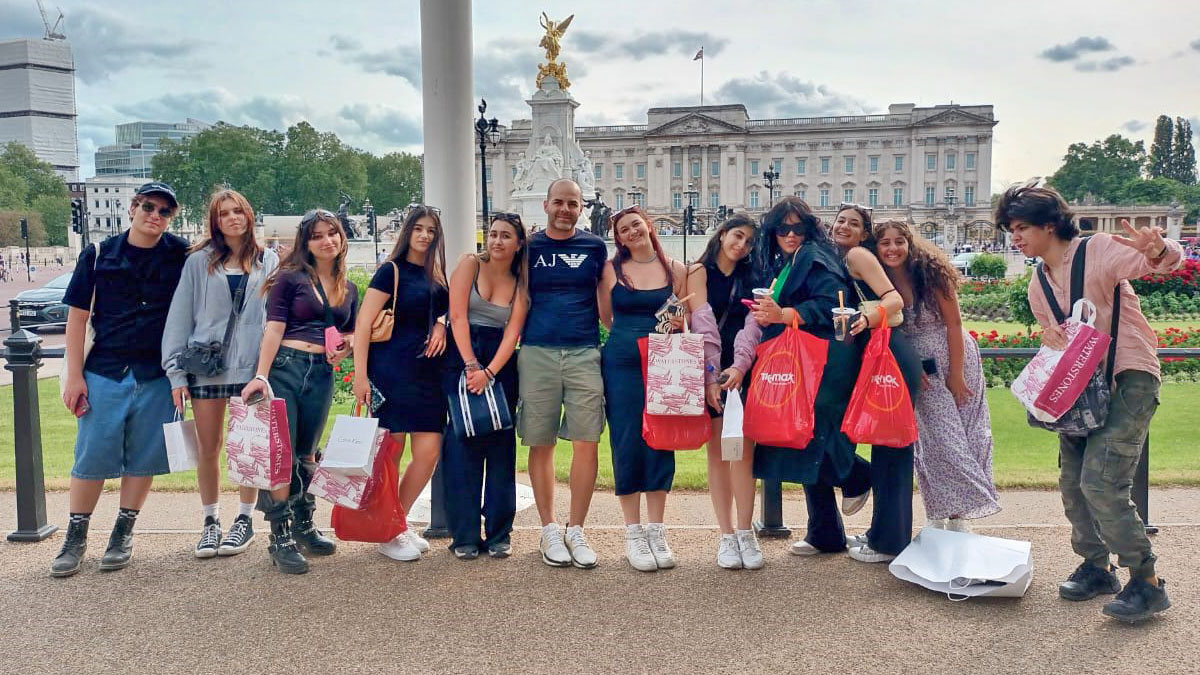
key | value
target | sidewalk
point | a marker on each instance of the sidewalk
(360, 612)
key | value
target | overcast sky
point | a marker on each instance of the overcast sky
(1057, 72)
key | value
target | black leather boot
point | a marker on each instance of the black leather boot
(305, 531)
(120, 545)
(75, 545)
(284, 553)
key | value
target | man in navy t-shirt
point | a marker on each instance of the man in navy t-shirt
(562, 393)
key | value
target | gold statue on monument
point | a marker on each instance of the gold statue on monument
(550, 42)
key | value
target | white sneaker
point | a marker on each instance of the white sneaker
(582, 555)
(418, 542)
(637, 549)
(656, 536)
(728, 555)
(752, 557)
(852, 505)
(867, 554)
(958, 525)
(854, 541)
(554, 552)
(804, 548)
(939, 524)
(400, 548)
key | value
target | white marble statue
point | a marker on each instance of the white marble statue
(523, 180)
(548, 161)
(584, 174)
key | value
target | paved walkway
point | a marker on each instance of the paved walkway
(360, 612)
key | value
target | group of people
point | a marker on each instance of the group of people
(549, 292)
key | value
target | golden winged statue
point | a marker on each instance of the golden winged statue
(551, 42)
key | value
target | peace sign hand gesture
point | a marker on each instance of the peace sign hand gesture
(1146, 240)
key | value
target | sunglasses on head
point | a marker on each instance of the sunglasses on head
(851, 205)
(514, 218)
(785, 229)
(315, 215)
(164, 211)
(624, 212)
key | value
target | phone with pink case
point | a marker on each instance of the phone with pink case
(333, 340)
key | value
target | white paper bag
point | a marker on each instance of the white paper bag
(183, 445)
(351, 448)
(732, 438)
(962, 565)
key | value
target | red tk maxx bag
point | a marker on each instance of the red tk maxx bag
(881, 411)
(672, 432)
(381, 517)
(783, 387)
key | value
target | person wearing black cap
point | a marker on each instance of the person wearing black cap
(118, 390)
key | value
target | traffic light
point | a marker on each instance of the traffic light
(24, 229)
(722, 212)
(687, 216)
(77, 217)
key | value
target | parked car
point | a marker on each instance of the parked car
(962, 261)
(43, 307)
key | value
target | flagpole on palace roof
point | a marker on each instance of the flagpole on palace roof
(700, 56)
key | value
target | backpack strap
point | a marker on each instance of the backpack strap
(1077, 266)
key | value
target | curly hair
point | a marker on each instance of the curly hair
(928, 266)
(1040, 206)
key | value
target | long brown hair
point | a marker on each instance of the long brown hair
(928, 267)
(301, 259)
(222, 252)
(517, 268)
(435, 257)
(623, 253)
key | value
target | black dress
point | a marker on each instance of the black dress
(725, 293)
(411, 384)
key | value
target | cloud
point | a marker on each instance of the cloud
(402, 61)
(641, 46)
(1108, 66)
(219, 105)
(1134, 126)
(385, 123)
(785, 95)
(105, 44)
(1072, 51)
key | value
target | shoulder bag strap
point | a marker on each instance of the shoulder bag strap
(236, 310)
(95, 281)
(1112, 346)
(395, 284)
(324, 301)
(1047, 291)
(1077, 268)
(733, 288)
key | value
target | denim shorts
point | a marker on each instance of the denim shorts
(122, 434)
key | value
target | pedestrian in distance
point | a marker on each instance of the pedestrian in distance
(558, 367)
(308, 293)
(1096, 471)
(220, 301)
(118, 390)
(405, 371)
(953, 454)
(487, 312)
(723, 279)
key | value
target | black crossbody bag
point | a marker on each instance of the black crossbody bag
(208, 360)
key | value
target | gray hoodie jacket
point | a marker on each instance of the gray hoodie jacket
(200, 312)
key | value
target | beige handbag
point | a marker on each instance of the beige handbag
(871, 308)
(381, 327)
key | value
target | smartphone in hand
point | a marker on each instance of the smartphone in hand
(81, 406)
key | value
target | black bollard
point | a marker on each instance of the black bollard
(1141, 488)
(14, 317)
(437, 506)
(771, 498)
(22, 351)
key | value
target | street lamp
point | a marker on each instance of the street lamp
(486, 130)
(369, 212)
(770, 176)
(951, 216)
(688, 213)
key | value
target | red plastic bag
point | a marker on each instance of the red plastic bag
(672, 432)
(881, 410)
(381, 517)
(783, 385)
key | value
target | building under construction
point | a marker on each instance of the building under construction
(37, 100)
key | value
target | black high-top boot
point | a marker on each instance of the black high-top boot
(73, 548)
(282, 549)
(120, 545)
(305, 531)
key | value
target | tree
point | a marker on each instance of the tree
(1183, 161)
(10, 228)
(393, 180)
(1162, 151)
(1101, 168)
(988, 266)
(244, 157)
(39, 189)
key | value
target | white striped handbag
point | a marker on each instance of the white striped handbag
(479, 414)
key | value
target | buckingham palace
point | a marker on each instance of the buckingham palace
(930, 166)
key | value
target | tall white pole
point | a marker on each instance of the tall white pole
(446, 88)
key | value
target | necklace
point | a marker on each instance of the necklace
(643, 262)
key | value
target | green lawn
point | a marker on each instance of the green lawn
(1024, 457)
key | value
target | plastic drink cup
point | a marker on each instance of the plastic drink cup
(760, 293)
(843, 317)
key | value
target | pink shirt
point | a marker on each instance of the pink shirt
(1109, 262)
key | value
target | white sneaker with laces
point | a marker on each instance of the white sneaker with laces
(656, 536)
(867, 554)
(752, 557)
(637, 549)
(400, 548)
(958, 525)
(804, 548)
(210, 538)
(852, 505)
(554, 551)
(728, 555)
(854, 541)
(418, 542)
(582, 555)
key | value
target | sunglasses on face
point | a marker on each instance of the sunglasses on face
(784, 230)
(149, 207)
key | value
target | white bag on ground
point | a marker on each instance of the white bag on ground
(183, 445)
(966, 565)
(351, 448)
(732, 438)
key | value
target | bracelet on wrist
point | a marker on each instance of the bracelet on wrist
(490, 374)
(473, 365)
(1162, 252)
(263, 378)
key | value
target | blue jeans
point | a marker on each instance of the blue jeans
(305, 382)
(122, 435)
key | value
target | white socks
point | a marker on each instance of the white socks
(245, 509)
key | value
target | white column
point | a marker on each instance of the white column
(447, 106)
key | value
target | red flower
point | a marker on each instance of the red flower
(337, 369)
(347, 378)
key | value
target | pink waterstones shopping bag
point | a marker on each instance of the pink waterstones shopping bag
(1052, 381)
(258, 445)
(675, 374)
(351, 491)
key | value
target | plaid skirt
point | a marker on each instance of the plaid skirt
(215, 390)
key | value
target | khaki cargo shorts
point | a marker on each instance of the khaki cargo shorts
(562, 395)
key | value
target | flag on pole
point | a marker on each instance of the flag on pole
(699, 55)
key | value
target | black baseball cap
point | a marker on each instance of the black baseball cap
(161, 189)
